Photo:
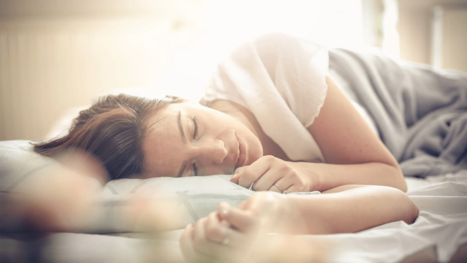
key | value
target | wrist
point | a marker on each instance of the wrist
(318, 179)
(312, 174)
(291, 220)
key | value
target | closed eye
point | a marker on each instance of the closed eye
(195, 170)
(196, 124)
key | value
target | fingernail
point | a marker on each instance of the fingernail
(224, 211)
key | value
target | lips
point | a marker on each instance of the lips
(241, 153)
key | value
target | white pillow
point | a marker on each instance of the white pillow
(187, 199)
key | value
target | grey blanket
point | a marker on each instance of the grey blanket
(420, 112)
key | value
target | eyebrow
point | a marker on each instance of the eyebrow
(182, 135)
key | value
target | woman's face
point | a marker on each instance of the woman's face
(187, 139)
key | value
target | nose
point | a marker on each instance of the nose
(211, 152)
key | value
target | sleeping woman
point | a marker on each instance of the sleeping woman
(275, 120)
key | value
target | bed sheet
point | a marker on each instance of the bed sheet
(442, 225)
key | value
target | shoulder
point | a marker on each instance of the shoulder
(277, 69)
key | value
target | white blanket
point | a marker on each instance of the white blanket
(442, 223)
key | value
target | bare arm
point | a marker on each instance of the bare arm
(237, 232)
(347, 209)
(353, 153)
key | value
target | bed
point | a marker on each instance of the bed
(421, 115)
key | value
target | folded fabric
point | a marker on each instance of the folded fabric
(420, 111)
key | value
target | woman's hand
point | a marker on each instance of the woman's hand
(231, 234)
(269, 173)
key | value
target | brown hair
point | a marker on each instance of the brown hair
(112, 130)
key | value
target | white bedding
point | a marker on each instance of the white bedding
(442, 223)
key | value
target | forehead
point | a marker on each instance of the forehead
(162, 141)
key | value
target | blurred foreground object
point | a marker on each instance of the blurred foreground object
(58, 197)
(64, 196)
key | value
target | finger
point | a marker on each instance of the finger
(204, 246)
(186, 246)
(237, 173)
(265, 182)
(241, 220)
(251, 173)
(223, 222)
(222, 235)
(215, 230)
(278, 170)
(281, 186)
(234, 239)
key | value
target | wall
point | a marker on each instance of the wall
(58, 55)
(450, 37)
(415, 28)
(55, 56)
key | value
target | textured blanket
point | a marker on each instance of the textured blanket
(420, 112)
